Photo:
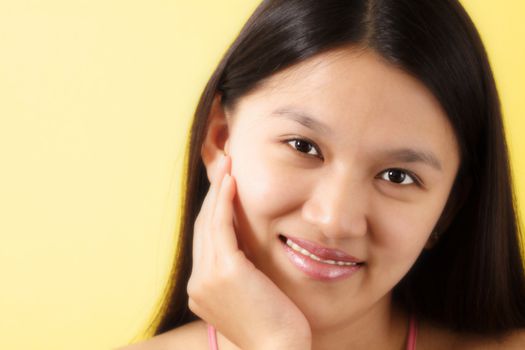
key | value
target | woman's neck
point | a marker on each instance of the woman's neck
(384, 326)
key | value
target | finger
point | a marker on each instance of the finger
(224, 168)
(223, 234)
(201, 240)
(209, 248)
(209, 201)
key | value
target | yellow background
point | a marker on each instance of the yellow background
(96, 97)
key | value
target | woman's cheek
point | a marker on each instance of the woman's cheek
(400, 233)
(263, 197)
(263, 187)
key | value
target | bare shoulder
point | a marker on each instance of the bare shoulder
(192, 335)
(514, 340)
(434, 337)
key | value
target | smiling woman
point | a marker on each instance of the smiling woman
(348, 187)
(336, 187)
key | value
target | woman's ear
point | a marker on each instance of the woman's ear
(216, 140)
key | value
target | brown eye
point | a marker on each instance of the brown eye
(398, 176)
(304, 146)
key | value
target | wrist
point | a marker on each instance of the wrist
(288, 343)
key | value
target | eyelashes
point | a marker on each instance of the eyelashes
(400, 177)
(305, 146)
(308, 148)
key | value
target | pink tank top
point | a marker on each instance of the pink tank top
(411, 339)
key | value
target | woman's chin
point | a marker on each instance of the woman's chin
(320, 311)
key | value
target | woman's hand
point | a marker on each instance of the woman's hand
(225, 288)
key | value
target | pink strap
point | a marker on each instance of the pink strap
(212, 338)
(412, 333)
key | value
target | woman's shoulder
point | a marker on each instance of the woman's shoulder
(192, 335)
(432, 337)
(514, 340)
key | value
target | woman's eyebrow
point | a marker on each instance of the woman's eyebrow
(405, 155)
(409, 155)
(302, 118)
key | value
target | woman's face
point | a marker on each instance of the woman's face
(370, 177)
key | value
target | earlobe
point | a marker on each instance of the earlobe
(216, 139)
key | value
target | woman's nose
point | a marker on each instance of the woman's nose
(338, 207)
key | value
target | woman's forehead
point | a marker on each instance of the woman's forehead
(352, 94)
(346, 80)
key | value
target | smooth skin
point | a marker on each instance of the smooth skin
(222, 271)
(344, 150)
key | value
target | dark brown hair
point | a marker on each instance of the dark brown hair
(473, 278)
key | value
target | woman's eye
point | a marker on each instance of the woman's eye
(304, 146)
(399, 176)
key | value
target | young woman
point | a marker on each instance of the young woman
(348, 187)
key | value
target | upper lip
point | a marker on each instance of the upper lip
(323, 252)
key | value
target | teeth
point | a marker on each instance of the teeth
(316, 258)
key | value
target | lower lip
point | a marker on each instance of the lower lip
(318, 270)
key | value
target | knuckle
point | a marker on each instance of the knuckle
(192, 305)
(192, 289)
(196, 290)
(227, 272)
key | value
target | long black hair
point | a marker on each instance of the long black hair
(473, 279)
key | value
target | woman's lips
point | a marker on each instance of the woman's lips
(323, 252)
(321, 270)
